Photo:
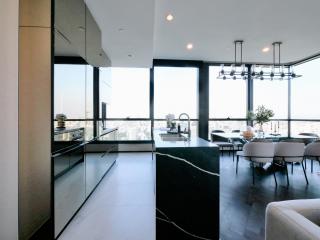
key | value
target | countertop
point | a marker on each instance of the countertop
(106, 131)
(193, 142)
(66, 130)
(74, 145)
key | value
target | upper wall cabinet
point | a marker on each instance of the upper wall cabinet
(77, 33)
(94, 52)
(70, 27)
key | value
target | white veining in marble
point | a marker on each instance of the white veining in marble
(187, 162)
(169, 221)
(123, 205)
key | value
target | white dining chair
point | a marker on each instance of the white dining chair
(312, 152)
(257, 152)
(290, 152)
(294, 140)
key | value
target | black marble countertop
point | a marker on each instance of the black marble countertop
(193, 142)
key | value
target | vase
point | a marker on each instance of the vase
(260, 131)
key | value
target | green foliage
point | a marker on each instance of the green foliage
(261, 116)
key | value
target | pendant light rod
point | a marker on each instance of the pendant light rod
(236, 43)
(274, 55)
(235, 52)
(275, 44)
(241, 53)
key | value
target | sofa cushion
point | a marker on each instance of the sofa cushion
(296, 219)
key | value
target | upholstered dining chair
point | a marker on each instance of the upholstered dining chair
(289, 152)
(313, 136)
(312, 152)
(218, 131)
(309, 134)
(222, 143)
(237, 143)
(295, 140)
(257, 152)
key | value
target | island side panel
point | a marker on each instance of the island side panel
(185, 195)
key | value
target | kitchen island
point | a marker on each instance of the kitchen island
(187, 188)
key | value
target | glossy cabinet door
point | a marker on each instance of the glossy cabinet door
(77, 172)
(92, 161)
(61, 164)
(69, 187)
(97, 164)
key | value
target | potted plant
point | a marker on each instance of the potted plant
(261, 116)
(61, 118)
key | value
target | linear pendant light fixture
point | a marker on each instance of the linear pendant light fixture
(275, 71)
(235, 72)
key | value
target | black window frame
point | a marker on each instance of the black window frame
(203, 94)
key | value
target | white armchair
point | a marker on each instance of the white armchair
(293, 220)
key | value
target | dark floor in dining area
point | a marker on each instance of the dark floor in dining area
(242, 205)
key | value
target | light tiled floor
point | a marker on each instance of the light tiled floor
(123, 205)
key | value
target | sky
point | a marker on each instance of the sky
(126, 92)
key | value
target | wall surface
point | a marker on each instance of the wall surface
(9, 15)
(34, 115)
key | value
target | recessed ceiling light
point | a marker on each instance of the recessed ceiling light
(169, 17)
(265, 49)
(189, 46)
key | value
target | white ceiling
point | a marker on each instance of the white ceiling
(211, 25)
(127, 30)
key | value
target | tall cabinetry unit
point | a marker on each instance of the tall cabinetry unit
(34, 115)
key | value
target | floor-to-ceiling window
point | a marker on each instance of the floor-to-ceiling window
(73, 95)
(305, 111)
(273, 94)
(126, 94)
(227, 102)
(176, 92)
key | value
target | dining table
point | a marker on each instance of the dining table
(237, 136)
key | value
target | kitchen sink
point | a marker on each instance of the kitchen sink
(172, 137)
